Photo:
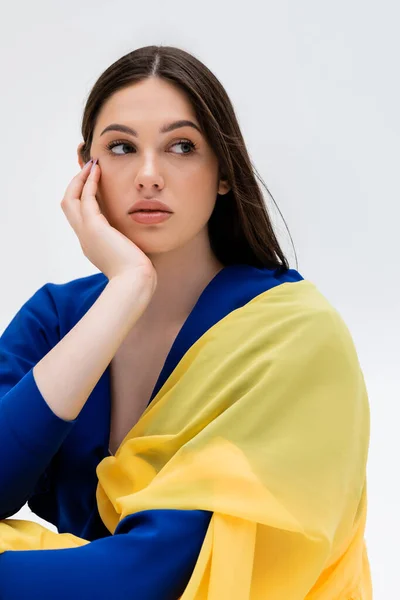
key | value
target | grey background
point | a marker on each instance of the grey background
(316, 89)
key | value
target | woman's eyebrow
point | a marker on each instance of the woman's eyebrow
(164, 129)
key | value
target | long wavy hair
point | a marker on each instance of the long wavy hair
(240, 228)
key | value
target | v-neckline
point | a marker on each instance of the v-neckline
(168, 363)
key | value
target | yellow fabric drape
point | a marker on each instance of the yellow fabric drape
(265, 422)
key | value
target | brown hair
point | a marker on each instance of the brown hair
(240, 228)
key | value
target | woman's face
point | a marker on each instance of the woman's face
(177, 167)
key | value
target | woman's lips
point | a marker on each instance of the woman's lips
(150, 217)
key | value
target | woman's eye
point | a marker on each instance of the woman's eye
(119, 143)
(191, 145)
(113, 145)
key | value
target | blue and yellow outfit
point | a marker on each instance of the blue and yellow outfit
(244, 479)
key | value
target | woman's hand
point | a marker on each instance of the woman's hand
(106, 247)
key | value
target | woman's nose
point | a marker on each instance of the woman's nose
(149, 176)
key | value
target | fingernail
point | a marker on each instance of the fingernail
(93, 165)
(89, 161)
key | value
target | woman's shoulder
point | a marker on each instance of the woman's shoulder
(78, 287)
(288, 301)
(59, 305)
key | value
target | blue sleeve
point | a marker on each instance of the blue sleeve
(30, 433)
(151, 556)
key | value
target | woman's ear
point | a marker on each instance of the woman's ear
(223, 187)
(81, 160)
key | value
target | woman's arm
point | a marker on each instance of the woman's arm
(152, 557)
(45, 381)
(67, 375)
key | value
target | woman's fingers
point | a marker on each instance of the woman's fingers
(71, 202)
(89, 204)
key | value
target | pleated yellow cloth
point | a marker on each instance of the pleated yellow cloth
(265, 422)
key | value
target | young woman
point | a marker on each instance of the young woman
(193, 419)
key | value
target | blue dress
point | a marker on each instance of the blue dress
(51, 463)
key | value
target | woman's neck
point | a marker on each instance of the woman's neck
(181, 278)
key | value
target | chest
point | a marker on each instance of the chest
(134, 372)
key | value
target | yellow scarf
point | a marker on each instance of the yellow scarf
(264, 422)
